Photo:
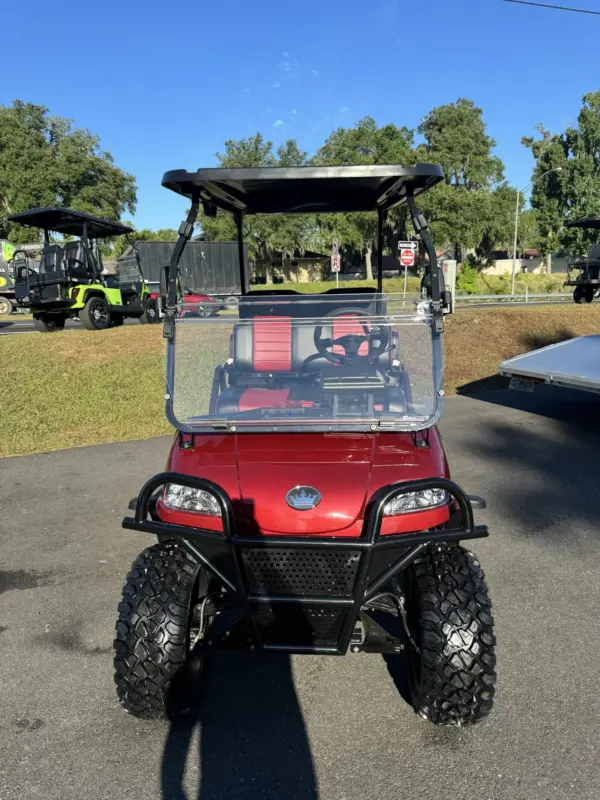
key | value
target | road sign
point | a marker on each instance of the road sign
(335, 247)
(407, 258)
(335, 263)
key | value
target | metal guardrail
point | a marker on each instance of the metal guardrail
(503, 299)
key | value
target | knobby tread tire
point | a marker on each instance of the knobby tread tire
(151, 644)
(455, 636)
(86, 319)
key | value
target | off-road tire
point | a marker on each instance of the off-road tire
(152, 641)
(150, 315)
(6, 306)
(453, 676)
(49, 323)
(583, 294)
(88, 318)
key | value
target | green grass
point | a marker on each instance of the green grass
(486, 284)
(82, 387)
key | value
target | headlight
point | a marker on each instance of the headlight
(184, 498)
(415, 501)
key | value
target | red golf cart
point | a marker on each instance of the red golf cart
(307, 505)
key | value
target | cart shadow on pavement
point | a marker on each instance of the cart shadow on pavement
(253, 741)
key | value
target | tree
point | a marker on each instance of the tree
(456, 138)
(365, 143)
(45, 161)
(575, 190)
(263, 234)
(121, 243)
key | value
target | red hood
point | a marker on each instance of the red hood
(258, 470)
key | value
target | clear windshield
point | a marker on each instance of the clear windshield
(305, 362)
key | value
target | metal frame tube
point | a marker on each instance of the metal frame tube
(239, 220)
(381, 215)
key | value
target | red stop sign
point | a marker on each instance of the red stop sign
(407, 257)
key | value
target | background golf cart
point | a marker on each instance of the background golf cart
(587, 283)
(7, 286)
(69, 281)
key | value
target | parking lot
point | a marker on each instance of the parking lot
(309, 727)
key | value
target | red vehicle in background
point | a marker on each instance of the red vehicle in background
(307, 505)
(199, 305)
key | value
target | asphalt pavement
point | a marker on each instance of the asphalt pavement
(309, 727)
(18, 323)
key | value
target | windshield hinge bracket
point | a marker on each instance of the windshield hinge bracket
(386, 423)
(169, 324)
(438, 315)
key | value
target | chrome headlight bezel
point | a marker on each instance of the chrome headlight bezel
(177, 497)
(413, 502)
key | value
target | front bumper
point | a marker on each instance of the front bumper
(304, 594)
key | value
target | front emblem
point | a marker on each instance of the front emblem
(303, 498)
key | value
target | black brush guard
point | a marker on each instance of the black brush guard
(305, 594)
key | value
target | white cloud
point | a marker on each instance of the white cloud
(285, 55)
(315, 72)
(287, 66)
(294, 111)
(269, 111)
(278, 123)
(276, 85)
(246, 91)
(344, 109)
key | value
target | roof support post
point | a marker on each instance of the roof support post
(381, 217)
(239, 219)
(172, 270)
(433, 280)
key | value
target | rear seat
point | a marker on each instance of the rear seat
(76, 262)
(51, 262)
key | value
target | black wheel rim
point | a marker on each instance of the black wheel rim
(99, 313)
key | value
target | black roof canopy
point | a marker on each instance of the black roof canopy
(69, 222)
(593, 223)
(304, 190)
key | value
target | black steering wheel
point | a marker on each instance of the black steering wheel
(377, 339)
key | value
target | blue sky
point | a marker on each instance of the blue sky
(165, 83)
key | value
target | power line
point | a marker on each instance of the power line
(555, 8)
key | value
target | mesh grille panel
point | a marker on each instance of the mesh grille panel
(290, 624)
(302, 571)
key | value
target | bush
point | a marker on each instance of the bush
(466, 280)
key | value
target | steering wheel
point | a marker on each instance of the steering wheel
(377, 339)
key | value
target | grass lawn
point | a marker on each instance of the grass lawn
(83, 387)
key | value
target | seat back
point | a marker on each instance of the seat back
(52, 262)
(594, 253)
(283, 344)
(77, 263)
